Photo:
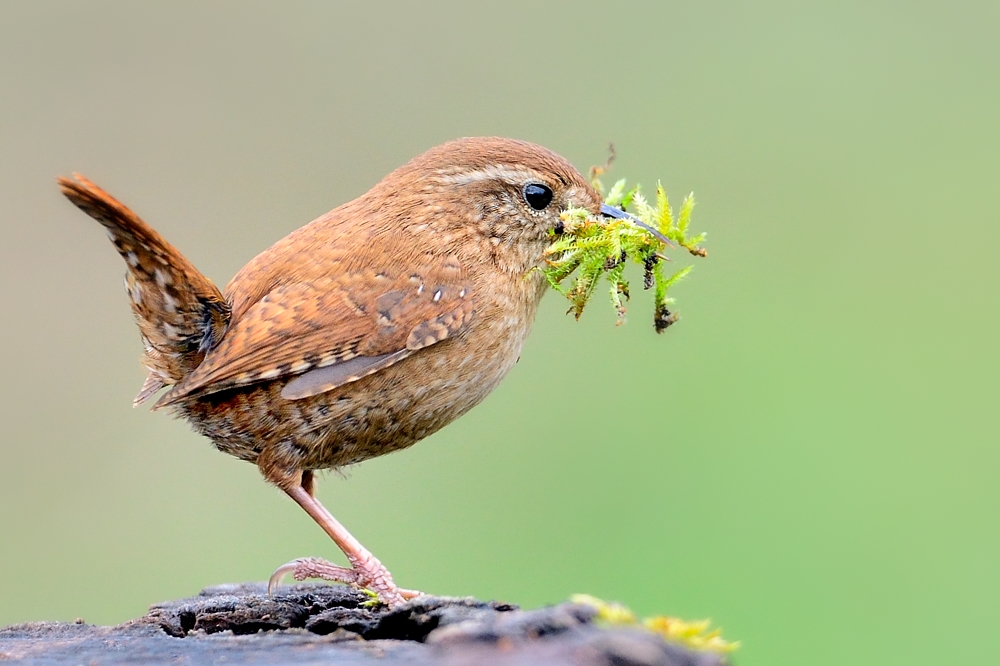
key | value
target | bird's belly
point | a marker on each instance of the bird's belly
(384, 412)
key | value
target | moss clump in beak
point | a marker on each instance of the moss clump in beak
(628, 229)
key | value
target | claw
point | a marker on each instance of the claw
(275, 580)
(377, 582)
(313, 567)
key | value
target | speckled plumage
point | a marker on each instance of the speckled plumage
(362, 332)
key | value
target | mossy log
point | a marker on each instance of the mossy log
(312, 624)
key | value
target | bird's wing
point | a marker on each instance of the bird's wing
(333, 330)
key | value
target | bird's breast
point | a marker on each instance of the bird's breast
(386, 411)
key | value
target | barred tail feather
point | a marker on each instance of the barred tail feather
(181, 314)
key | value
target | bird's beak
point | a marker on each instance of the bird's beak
(619, 214)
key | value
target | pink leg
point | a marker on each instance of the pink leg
(366, 571)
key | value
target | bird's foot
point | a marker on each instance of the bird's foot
(367, 574)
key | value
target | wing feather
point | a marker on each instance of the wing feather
(330, 331)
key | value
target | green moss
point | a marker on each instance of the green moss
(695, 635)
(588, 247)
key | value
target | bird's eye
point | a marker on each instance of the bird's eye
(537, 195)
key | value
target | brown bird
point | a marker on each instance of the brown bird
(360, 333)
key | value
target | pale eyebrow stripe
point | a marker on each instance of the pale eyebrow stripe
(509, 175)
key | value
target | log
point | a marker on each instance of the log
(314, 623)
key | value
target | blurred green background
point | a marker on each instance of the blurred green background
(820, 477)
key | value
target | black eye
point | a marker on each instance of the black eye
(537, 195)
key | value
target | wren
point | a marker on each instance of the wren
(360, 333)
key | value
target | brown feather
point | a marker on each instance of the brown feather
(324, 350)
(321, 380)
(360, 333)
(300, 327)
(180, 313)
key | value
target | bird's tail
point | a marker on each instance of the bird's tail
(180, 312)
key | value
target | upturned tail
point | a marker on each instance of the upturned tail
(180, 313)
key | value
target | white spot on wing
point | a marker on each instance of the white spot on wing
(170, 302)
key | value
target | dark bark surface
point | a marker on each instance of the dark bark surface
(313, 624)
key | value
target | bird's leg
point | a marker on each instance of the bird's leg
(365, 572)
